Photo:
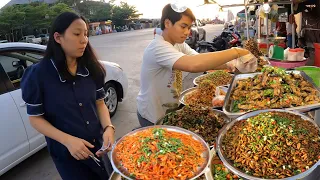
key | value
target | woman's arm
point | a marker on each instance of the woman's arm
(76, 146)
(103, 113)
(104, 116)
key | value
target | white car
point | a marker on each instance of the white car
(18, 139)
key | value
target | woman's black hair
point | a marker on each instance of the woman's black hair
(55, 52)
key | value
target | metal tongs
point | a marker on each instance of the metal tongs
(103, 148)
(96, 160)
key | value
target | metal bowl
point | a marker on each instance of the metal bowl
(226, 119)
(190, 90)
(116, 164)
(196, 79)
(240, 173)
(184, 93)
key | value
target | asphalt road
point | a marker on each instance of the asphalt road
(126, 49)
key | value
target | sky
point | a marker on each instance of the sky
(3, 2)
(153, 8)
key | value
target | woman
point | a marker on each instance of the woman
(64, 96)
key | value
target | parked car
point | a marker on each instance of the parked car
(31, 39)
(197, 33)
(18, 139)
(3, 41)
(157, 30)
(44, 38)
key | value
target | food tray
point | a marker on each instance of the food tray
(208, 174)
(227, 103)
(115, 176)
(238, 172)
(124, 173)
(195, 79)
(184, 93)
(227, 120)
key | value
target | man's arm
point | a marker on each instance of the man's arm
(207, 61)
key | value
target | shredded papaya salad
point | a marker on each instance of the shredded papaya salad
(160, 154)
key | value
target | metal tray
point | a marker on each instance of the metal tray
(184, 93)
(226, 118)
(227, 103)
(208, 174)
(238, 172)
(115, 176)
(195, 79)
(123, 171)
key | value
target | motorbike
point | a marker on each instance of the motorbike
(218, 43)
(222, 42)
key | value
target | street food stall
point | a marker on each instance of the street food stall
(232, 125)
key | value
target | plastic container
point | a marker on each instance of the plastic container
(313, 72)
(317, 54)
(286, 51)
(300, 55)
(287, 64)
(292, 55)
(276, 52)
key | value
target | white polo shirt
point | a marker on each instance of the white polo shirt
(157, 93)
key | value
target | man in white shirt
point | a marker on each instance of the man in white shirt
(166, 56)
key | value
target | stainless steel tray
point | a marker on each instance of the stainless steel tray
(238, 172)
(226, 118)
(115, 176)
(208, 173)
(184, 93)
(123, 171)
(227, 103)
(195, 79)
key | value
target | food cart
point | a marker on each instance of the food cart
(261, 131)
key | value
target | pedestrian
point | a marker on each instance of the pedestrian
(164, 60)
(65, 101)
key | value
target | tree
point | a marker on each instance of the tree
(58, 9)
(123, 13)
(29, 18)
(11, 18)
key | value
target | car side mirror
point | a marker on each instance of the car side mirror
(15, 63)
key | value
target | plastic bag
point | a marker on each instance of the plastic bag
(247, 63)
(220, 95)
(218, 101)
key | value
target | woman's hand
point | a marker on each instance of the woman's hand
(108, 137)
(78, 148)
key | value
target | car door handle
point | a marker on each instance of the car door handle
(23, 104)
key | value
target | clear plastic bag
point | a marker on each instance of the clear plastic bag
(247, 63)
(220, 95)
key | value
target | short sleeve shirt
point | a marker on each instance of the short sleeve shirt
(69, 105)
(157, 93)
